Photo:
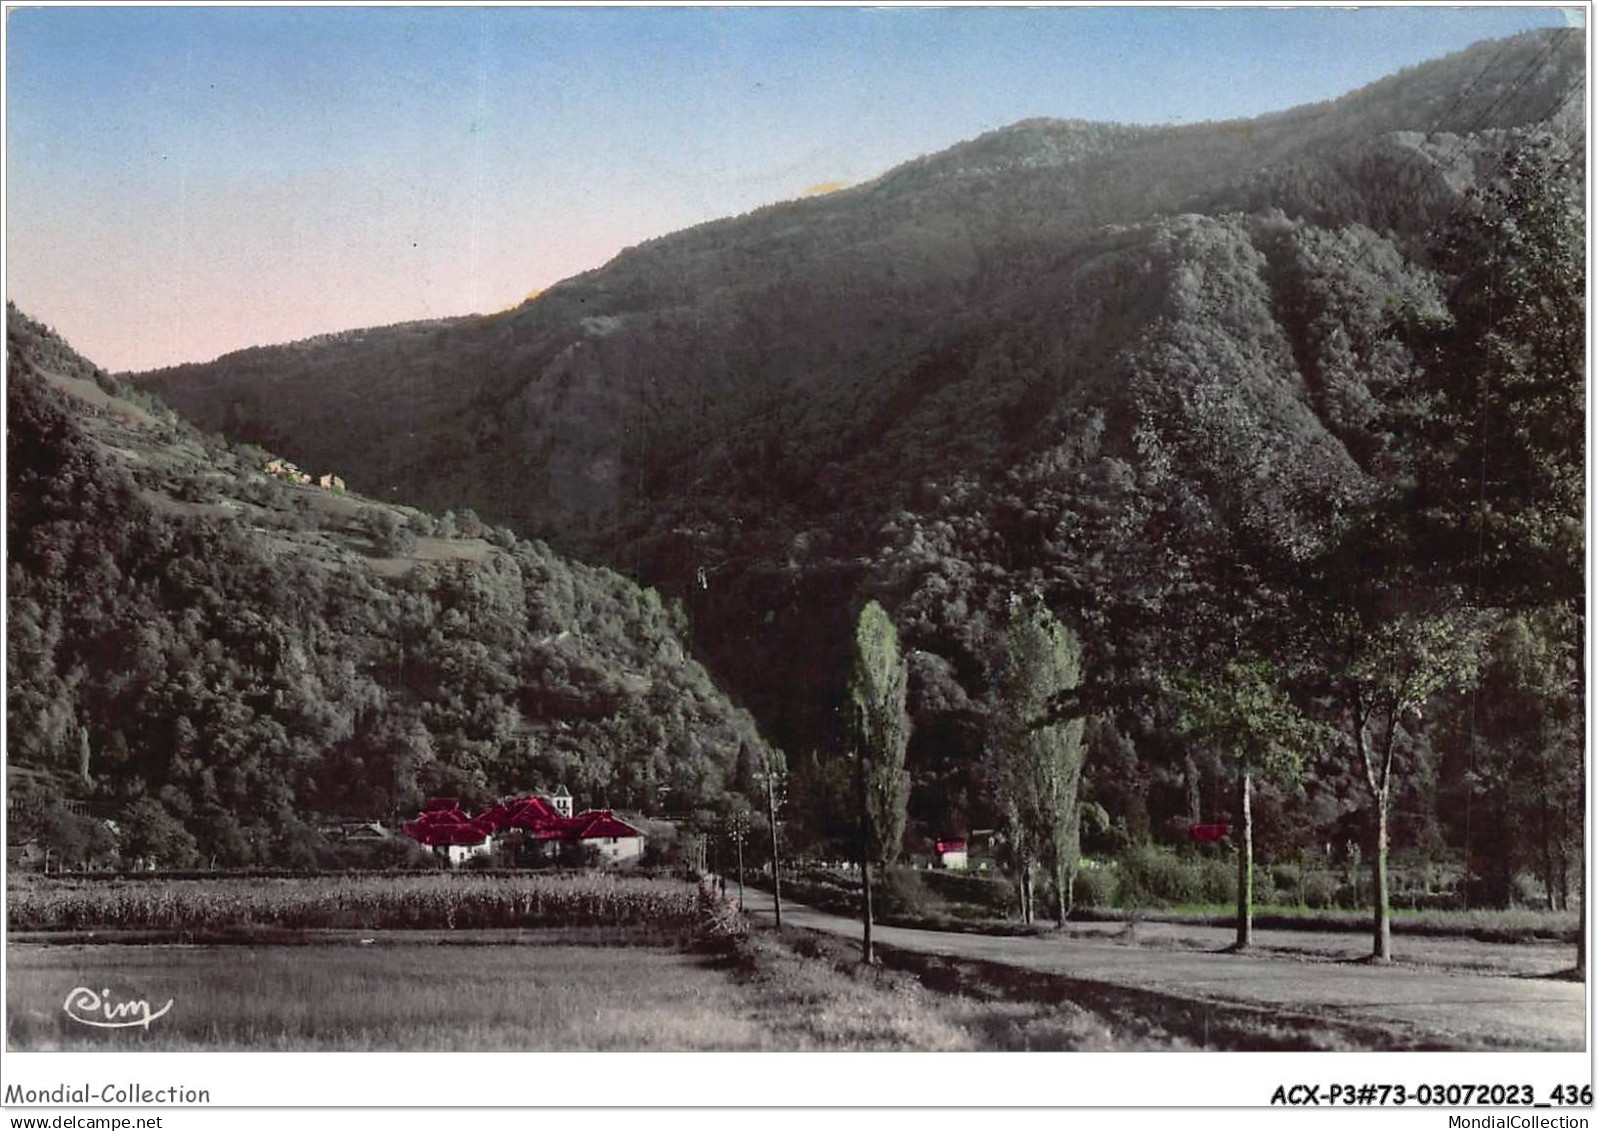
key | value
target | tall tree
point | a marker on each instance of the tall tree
(1249, 717)
(1518, 739)
(1497, 418)
(1035, 756)
(1385, 653)
(1492, 515)
(878, 684)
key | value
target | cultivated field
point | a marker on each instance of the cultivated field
(374, 902)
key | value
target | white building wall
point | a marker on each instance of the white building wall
(613, 849)
(460, 853)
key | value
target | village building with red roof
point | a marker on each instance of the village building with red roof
(952, 854)
(541, 820)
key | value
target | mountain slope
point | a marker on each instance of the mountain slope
(203, 648)
(761, 414)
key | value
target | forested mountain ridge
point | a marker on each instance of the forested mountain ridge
(220, 657)
(780, 342)
(984, 371)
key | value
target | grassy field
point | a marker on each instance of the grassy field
(940, 901)
(550, 991)
(546, 997)
(1498, 925)
(473, 550)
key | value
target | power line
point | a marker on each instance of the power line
(1362, 257)
(1521, 80)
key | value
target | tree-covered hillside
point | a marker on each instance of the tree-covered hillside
(220, 659)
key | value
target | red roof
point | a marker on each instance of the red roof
(530, 813)
(1208, 834)
(602, 824)
(437, 828)
(493, 818)
(443, 822)
(950, 846)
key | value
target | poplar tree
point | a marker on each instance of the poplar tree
(1035, 757)
(878, 685)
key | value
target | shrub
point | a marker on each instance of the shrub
(1319, 890)
(149, 833)
(423, 524)
(1157, 877)
(389, 536)
(992, 896)
(902, 892)
(1095, 887)
(1266, 889)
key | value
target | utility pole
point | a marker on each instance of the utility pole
(772, 805)
(739, 831)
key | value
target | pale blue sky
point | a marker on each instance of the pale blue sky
(186, 181)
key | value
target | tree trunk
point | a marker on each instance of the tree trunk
(868, 952)
(1026, 893)
(1245, 863)
(1190, 774)
(1547, 850)
(1382, 941)
(1061, 894)
(1580, 824)
(1581, 935)
(1581, 924)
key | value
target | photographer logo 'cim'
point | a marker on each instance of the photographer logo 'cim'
(86, 1007)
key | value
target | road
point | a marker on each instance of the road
(1447, 1007)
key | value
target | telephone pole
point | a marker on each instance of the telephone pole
(773, 805)
(739, 831)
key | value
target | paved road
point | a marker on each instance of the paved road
(1453, 1008)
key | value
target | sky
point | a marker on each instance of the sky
(181, 182)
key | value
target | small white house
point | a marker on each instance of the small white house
(458, 854)
(614, 838)
(952, 855)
